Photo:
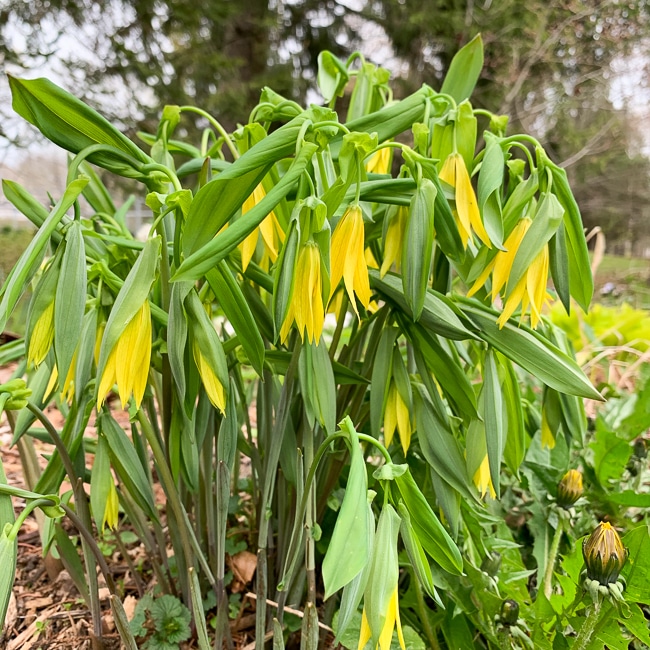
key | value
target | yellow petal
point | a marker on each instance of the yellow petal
(247, 248)
(341, 238)
(365, 634)
(108, 378)
(482, 279)
(393, 241)
(505, 259)
(466, 202)
(213, 387)
(54, 376)
(482, 478)
(512, 302)
(448, 170)
(111, 509)
(379, 162)
(403, 422)
(537, 277)
(133, 356)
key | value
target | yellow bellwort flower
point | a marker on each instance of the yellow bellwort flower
(397, 415)
(112, 508)
(530, 291)
(41, 337)
(128, 362)
(348, 258)
(272, 234)
(213, 387)
(394, 240)
(306, 307)
(483, 480)
(454, 172)
(379, 162)
(391, 621)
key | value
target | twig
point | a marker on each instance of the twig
(290, 610)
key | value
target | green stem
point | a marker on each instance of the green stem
(217, 127)
(550, 560)
(588, 627)
(426, 624)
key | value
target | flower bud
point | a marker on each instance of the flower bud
(569, 489)
(491, 563)
(604, 554)
(640, 448)
(509, 612)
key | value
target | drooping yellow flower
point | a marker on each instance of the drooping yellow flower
(348, 259)
(272, 234)
(67, 390)
(468, 218)
(394, 240)
(306, 306)
(530, 290)
(379, 162)
(548, 437)
(483, 480)
(213, 387)
(128, 361)
(40, 340)
(397, 415)
(112, 508)
(392, 619)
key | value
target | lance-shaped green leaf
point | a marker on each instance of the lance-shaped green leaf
(493, 417)
(531, 351)
(8, 557)
(384, 571)
(130, 299)
(464, 70)
(559, 266)
(580, 279)
(25, 203)
(202, 260)
(466, 127)
(317, 385)
(417, 251)
(515, 446)
(229, 294)
(70, 301)
(177, 334)
(381, 374)
(439, 314)
(284, 276)
(366, 96)
(332, 76)
(126, 463)
(416, 554)
(73, 125)
(518, 200)
(96, 192)
(432, 535)
(228, 431)
(353, 591)
(490, 183)
(449, 500)
(28, 263)
(347, 553)
(439, 447)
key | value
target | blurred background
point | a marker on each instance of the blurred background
(574, 74)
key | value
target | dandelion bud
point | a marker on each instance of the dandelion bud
(604, 554)
(491, 563)
(569, 489)
(509, 612)
(640, 448)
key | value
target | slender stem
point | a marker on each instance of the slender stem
(340, 322)
(550, 561)
(588, 627)
(426, 624)
(217, 127)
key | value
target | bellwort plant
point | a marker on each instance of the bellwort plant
(320, 347)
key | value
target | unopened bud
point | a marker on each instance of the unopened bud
(640, 448)
(604, 554)
(491, 563)
(509, 612)
(569, 489)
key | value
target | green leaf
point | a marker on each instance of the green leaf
(515, 446)
(70, 301)
(464, 70)
(317, 385)
(611, 454)
(232, 301)
(637, 568)
(417, 253)
(636, 623)
(431, 533)
(101, 482)
(347, 553)
(531, 351)
(493, 418)
(490, 183)
(332, 76)
(381, 374)
(73, 125)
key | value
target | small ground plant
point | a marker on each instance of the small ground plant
(333, 352)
